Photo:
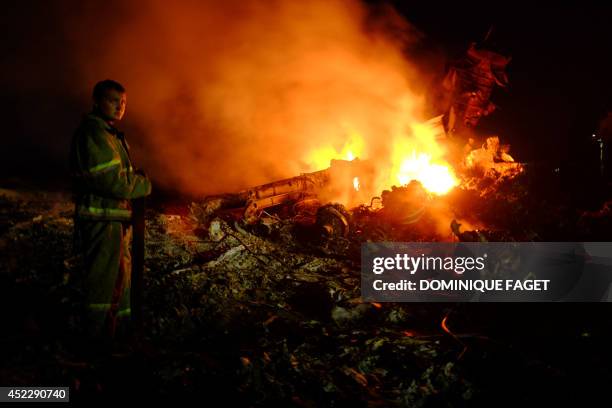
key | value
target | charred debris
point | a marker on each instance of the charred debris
(254, 297)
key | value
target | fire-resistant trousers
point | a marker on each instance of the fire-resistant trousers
(105, 247)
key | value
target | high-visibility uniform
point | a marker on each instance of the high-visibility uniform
(104, 183)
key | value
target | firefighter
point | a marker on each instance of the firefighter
(104, 182)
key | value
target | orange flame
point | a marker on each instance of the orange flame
(427, 166)
(320, 158)
(436, 178)
(492, 159)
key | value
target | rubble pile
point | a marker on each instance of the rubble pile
(277, 320)
(298, 324)
(271, 309)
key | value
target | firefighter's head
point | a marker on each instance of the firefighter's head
(109, 100)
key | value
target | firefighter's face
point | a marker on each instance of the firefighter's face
(112, 105)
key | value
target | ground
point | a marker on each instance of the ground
(261, 317)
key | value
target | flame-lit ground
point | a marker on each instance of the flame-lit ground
(257, 319)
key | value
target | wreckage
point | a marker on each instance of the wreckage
(470, 81)
(312, 198)
(305, 191)
(287, 325)
(308, 200)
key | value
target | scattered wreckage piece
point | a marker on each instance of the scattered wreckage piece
(470, 81)
(401, 213)
(304, 192)
(333, 220)
(306, 200)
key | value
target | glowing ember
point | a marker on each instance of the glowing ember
(356, 183)
(436, 178)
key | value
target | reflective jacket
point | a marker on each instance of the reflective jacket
(103, 177)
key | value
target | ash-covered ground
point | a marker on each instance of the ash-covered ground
(271, 315)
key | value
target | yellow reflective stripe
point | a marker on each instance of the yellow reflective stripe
(103, 166)
(103, 307)
(105, 211)
(99, 307)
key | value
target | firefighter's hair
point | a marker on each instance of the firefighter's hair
(101, 87)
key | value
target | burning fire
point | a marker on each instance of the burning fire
(436, 178)
(492, 159)
(320, 158)
(418, 157)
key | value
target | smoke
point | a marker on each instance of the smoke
(224, 95)
(221, 95)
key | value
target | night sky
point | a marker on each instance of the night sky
(560, 86)
(560, 82)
